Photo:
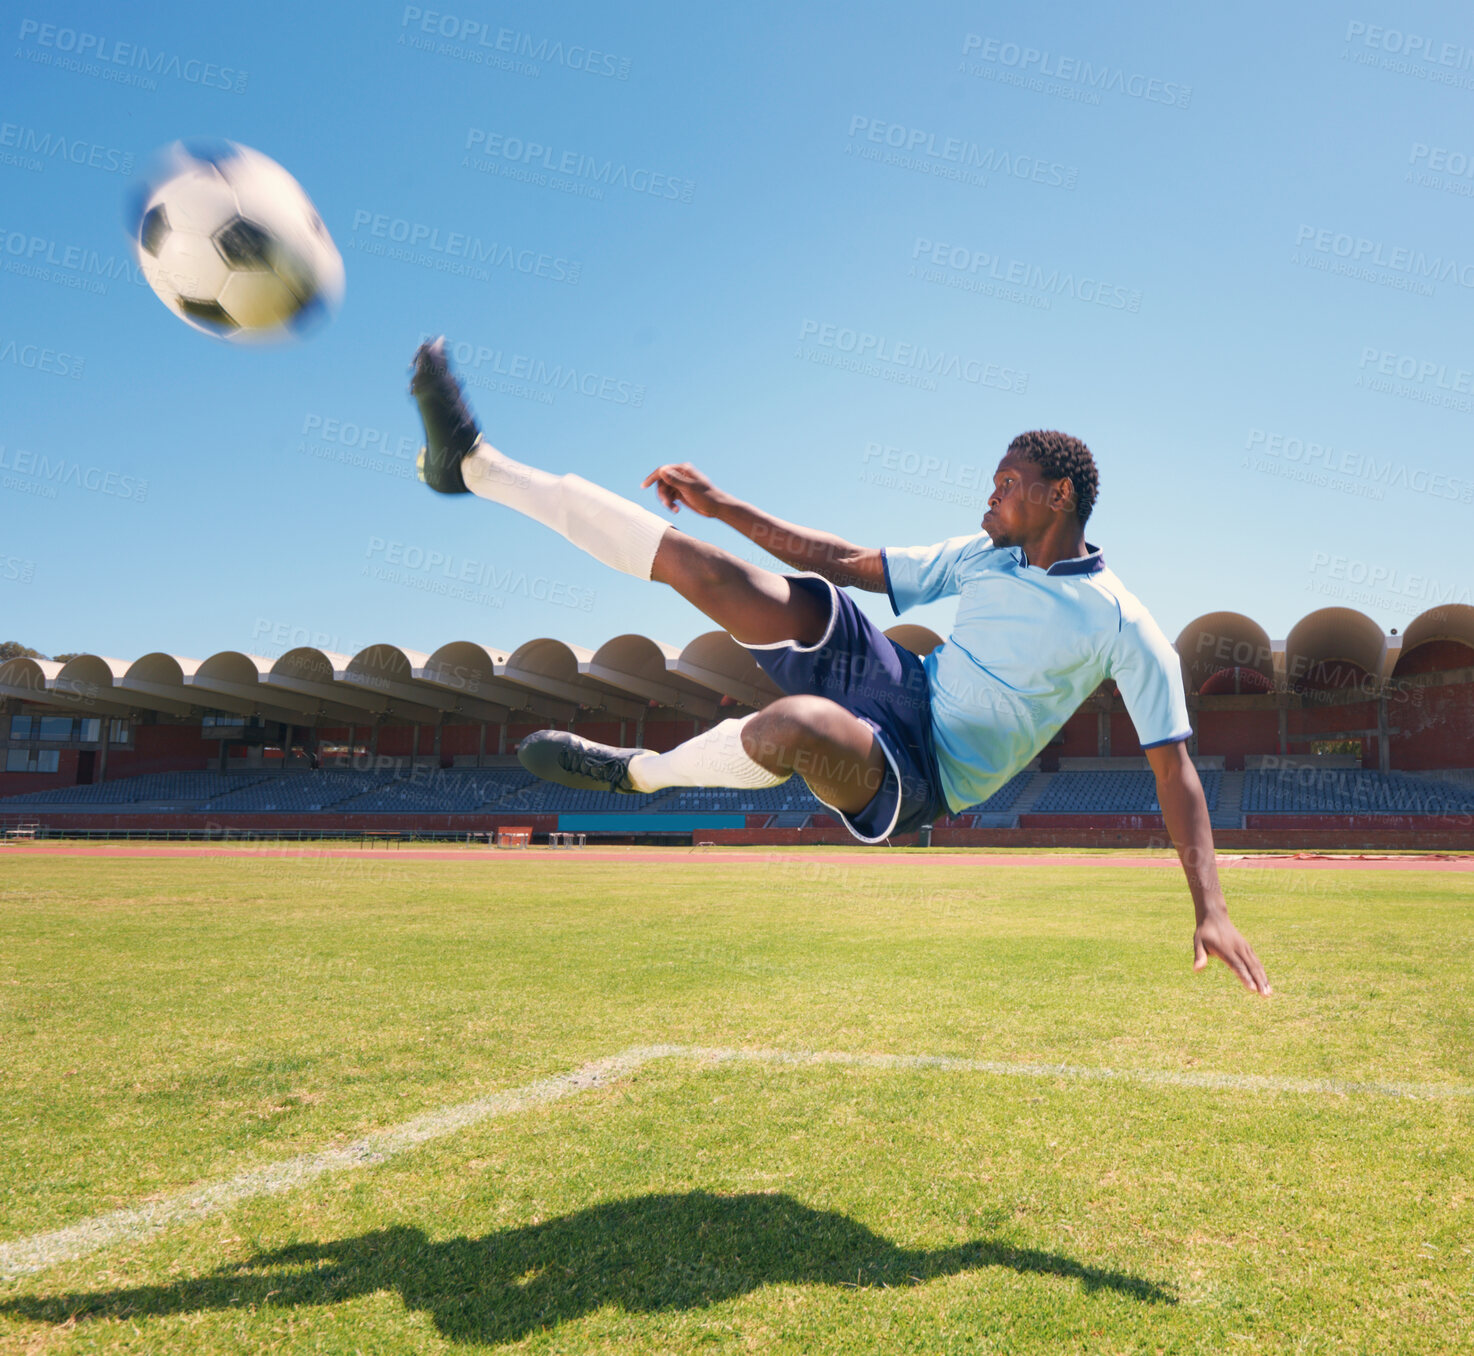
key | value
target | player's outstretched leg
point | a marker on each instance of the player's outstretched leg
(836, 753)
(757, 606)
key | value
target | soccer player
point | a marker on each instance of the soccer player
(884, 739)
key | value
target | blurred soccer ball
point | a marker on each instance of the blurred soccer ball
(234, 247)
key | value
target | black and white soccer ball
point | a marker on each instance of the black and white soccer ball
(234, 247)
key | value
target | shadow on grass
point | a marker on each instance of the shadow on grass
(647, 1254)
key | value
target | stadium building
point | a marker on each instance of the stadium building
(1337, 736)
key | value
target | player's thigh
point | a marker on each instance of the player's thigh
(757, 606)
(832, 749)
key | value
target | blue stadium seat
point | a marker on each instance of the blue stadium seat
(1361, 791)
(299, 792)
(1003, 798)
(437, 791)
(1122, 792)
(182, 787)
(507, 791)
(793, 795)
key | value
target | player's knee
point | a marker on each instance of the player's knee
(786, 732)
(768, 737)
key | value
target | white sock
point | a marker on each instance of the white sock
(608, 527)
(715, 758)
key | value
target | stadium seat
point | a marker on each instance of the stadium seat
(1117, 792)
(1360, 791)
(182, 787)
(1002, 800)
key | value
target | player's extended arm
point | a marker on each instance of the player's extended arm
(1185, 812)
(837, 560)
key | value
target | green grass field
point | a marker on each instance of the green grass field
(165, 1024)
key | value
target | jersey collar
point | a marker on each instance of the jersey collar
(1090, 563)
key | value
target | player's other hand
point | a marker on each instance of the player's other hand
(1216, 936)
(681, 483)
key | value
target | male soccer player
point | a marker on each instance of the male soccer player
(884, 739)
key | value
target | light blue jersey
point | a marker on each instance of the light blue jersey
(1028, 646)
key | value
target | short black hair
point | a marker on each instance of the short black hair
(1058, 456)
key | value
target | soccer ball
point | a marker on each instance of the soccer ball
(234, 247)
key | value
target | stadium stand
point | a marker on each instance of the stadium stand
(1112, 793)
(442, 791)
(793, 796)
(174, 787)
(1338, 735)
(1293, 790)
(997, 810)
(545, 798)
(299, 791)
(1305, 790)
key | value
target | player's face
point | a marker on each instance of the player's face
(1018, 508)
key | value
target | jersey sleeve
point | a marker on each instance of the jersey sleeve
(1145, 667)
(922, 574)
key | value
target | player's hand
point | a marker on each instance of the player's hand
(681, 483)
(1216, 936)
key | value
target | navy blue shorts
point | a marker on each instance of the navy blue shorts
(884, 685)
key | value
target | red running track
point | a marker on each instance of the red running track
(1298, 861)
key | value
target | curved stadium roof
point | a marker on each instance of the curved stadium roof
(552, 680)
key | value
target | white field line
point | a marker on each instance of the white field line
(37, 1252)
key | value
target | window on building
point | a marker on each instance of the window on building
(117, 732)
(91, 730)
(20, 727)
(28, 760)
(55, 727)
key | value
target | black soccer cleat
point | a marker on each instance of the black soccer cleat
(557, 756)
(450, 427)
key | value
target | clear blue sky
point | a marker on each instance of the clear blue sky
(709, 326)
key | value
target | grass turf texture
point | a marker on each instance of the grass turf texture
(165, 1023)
